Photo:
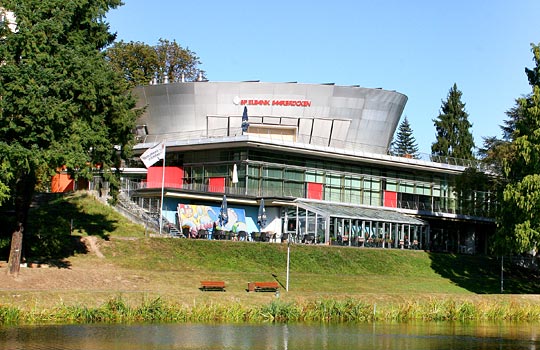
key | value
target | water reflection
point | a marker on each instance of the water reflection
(271, 337)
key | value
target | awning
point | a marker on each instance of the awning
(358, 213)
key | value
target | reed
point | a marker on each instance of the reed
(324, 310)
(331, 310)
(278, 311)
(9, 315)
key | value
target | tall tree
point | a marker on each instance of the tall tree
(518, 220)
(141, 63)
(177, 63)
(404, 144)
(62, 104)
(453, 135)
(136, 61)
(494, 150)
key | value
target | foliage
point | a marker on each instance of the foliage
(326, 310)
(404, 144)
(58, 223)
(136, 61)
(519, 223)
(62, 104)
(471, 183)
(453, 135)
(140, 63)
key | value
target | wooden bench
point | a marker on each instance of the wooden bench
(213, 285)
(263, 286)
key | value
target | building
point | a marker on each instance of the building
(316, 155)
(7, 18)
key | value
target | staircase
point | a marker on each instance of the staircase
(136, 214)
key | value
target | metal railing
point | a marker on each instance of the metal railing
(467, 207)
(305, 141)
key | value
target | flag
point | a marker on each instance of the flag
(152, 155)
(235, 175)
(223, 213)
(245, 120)
(261, 218)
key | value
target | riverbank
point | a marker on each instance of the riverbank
(113, 261)
(121, 280)
(331, 310)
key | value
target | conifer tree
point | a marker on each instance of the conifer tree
(453, 135)
(404, 144)
(518, 220)
(61, 103)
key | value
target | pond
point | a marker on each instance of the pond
(462, 336)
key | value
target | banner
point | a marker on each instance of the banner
(152, 155)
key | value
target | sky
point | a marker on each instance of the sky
(419, 48)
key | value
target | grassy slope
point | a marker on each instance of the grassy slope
(174, 267)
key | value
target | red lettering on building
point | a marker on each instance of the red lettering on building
(255, 102)
(285, 103)
(292, 103)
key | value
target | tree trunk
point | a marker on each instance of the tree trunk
(24, 190)
(14, 262)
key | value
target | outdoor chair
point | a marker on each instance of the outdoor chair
(202, 234)
(242, 235)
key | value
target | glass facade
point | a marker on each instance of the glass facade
(295, 181)
(279, 175)
(344, 225)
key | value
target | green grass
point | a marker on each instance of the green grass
(331, 268)
(117, 310)
(174, 267)
(327, 268)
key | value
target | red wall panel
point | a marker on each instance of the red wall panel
(216, 184)
(390, 199)
(174, 177)
(314, 190)
(61, 183)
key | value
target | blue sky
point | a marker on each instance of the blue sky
(419, 48)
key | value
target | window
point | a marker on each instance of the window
(314, 176)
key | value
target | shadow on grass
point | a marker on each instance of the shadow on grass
(55, 228)
(482, 274)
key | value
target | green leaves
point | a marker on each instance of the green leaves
(519, 218)
(140, 63)
(62, 103)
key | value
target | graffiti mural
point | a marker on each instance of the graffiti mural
(203, 217)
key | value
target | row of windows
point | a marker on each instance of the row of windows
(289, 175)
(293, 178)
(293, 162)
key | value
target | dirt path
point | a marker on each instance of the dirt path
(91, 245)
(90, 271)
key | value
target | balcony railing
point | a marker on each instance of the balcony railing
(470, 208)
(201, 136)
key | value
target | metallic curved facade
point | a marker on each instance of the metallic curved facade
(326, 115)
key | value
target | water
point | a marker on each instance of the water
(270, 337)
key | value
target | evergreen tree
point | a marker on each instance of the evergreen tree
(495, 151)
(453, 138)
(62, 104)
(518, 219)
(404, 144)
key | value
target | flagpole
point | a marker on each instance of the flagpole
(162, 190)
(288, 262)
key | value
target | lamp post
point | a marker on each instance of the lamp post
(288, 262)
